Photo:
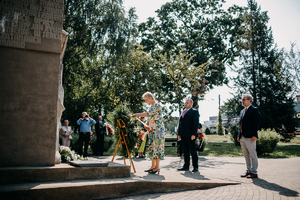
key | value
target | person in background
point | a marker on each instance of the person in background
(247, 135)
(142, 148)
(100, 132)
(179, 146)
(200, 127)
(66, 132)
(84, 133)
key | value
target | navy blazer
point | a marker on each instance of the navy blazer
(100, 128)
(250, 122)
(189, 124)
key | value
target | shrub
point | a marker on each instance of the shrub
(74, 144)
(207, 131)
(213, 131)
(234, 131)
(108, 142)
(267, 141)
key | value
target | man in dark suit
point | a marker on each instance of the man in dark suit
(100, 131)
(187, 131)
(247, 135)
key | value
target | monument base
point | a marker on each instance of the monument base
(62, 172)
(88, 163)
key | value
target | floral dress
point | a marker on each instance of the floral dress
(157, 132)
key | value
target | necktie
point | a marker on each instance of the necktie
(242, 118)
(184, 113)
(244, 112)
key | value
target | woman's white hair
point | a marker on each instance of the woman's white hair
(148, 95)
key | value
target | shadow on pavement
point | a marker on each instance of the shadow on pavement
(275, 187)
(211, 163)
(194, 175)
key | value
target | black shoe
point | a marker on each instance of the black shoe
(183, 169)
(246, 174)
(195, 170)
(154, 172)
(252, 176)
(147, 170)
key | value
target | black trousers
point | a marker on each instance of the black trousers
(84, 137)
(100, 143)
(179, 148)
(189, 147)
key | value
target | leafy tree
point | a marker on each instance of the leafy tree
(232, 107)
(103, 66)
(207, 131)
(263, 74)
(292, 63)
(234, 134)
(186, 78)
(220, 128)
(220, 124)
(200, 27)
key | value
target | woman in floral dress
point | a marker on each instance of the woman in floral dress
(157, 132)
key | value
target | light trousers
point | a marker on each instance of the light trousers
(65, 141)
(250, 154)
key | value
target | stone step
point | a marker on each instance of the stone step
(97, 189)
(61, 172)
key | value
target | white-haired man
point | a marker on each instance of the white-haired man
(84, 133)
(247, 135)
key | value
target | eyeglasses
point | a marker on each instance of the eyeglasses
(244, 99)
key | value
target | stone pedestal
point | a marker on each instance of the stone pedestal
(30, 75)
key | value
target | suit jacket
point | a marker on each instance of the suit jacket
(250, 122)
(99, 127)
(189, 124)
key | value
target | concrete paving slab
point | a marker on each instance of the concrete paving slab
(278, 179)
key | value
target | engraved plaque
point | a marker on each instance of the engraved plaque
(31, 24)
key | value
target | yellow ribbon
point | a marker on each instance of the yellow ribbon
(122, 124)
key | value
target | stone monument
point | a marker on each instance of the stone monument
(31, 49)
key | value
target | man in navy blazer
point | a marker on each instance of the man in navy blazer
(247, 135)
(187, 131)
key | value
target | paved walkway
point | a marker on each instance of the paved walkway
(278, 178)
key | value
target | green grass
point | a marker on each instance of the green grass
(220, 146)
(217, 138)
(221, 150)
(230, 150)
(295, 140)
(284, 151)
(222, 138)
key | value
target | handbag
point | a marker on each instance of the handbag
(70, 137)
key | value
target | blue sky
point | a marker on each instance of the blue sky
(284, 21)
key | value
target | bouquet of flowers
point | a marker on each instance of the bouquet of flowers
(200, 142)
(109, 129)
(92, 135)
(67, 155)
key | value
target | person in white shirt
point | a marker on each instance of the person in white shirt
(66, 132)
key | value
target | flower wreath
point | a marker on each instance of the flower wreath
(126, 126)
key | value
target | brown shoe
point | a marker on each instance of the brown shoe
(252, 176)
(245, 175)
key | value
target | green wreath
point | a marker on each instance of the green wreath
(126, 125)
